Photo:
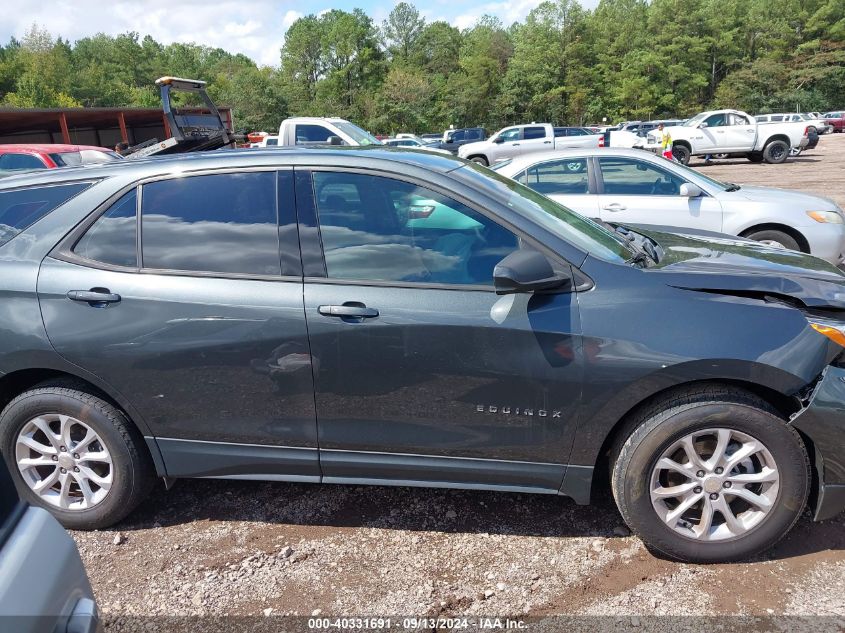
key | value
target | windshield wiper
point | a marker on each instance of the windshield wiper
(639, 258)
(732, 187)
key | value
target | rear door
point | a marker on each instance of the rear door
(535, 138)
(740, 133)
(185, 295)
(422, 372)
(567, 181)
(635, 191)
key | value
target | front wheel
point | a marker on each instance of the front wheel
(480, 160)
(711, 475)
(778, 239)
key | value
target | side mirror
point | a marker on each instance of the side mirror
(702, 125)
(690, 190)
(335, 140)
(525, 271)
(498, 140)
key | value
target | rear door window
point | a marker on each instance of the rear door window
(558, 177)
(219, 223)
(534, 133)
(20, 208)
(112, 239)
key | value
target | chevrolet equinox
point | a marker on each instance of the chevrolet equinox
(403, 318)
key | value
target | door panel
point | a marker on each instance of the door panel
(200, 358)
(444, 373)
(639, 192)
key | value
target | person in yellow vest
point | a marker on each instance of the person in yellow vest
(665, 140)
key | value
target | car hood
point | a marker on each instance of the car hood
(738, 266)
(801, 201)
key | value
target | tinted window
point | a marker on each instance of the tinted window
(776, 117)
(558, 177)
(625, 176)
(576, 131)
(376, 228)
(112, 238)
(224, 223)
(20, 161)
(534, 132)
(715, 120)
(20, 208)
(475, 135)
(511, 134)
(460, 135)
(312, 134)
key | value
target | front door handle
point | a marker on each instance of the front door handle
(614, 206)
(354, 310)
(94, 296)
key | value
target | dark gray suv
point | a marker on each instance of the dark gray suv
(403, 318)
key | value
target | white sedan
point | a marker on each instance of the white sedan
(413, 143)
(630, 186)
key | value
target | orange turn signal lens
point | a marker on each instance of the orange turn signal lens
(832, 333)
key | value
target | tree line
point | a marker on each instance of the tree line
(625, 59)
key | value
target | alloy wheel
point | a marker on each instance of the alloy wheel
(714, 484)
(64, 461)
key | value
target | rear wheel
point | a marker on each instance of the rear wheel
(776, 152)
(681, 153)
(712, 474)
(778, 239)
(75, 455)
(480, 160)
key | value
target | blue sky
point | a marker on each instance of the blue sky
(253, 27)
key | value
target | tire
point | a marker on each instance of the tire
(126, 481)
(795, 151)
(755, 157)
(776, 152)
(775, 238)
(694, 413)
(480, 160)
(681, 153)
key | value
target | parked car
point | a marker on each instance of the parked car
(412, 143)
(323, 131)
(266, 141)
(139, 305)
(524, 139)
(733, 132)
(836, 119)
(454, 139)
(43, 585)
(636, 187)
(28, 156)
(816, 124)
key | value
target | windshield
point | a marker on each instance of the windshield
(698, 118)
(579, 231)
(357, 134)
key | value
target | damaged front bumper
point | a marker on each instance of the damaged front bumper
(822, 421)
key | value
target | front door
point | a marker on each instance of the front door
(422, 372)
(641, 192)
(202, 329)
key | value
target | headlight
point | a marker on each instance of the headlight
(833, 330)
(829, 217)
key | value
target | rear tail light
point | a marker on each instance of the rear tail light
(807, 131)
(601, 141)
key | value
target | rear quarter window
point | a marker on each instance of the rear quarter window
(21, 208)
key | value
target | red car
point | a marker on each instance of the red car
(836, 119)
(51, 155)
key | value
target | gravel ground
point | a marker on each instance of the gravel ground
(223, 548)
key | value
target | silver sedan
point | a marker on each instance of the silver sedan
(637, 187)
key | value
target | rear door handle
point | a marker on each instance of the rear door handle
(614, 206)
(93, 296)
(356, 311)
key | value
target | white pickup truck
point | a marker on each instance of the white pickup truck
(517, 140)
(323, 131)
(733, 132)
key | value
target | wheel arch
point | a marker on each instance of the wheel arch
(778, 137)
(783, 228)
(614, 420)
(16, 382)
(478, 155)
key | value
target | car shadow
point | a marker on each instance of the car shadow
(420, 509)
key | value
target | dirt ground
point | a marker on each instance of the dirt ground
(223, 548)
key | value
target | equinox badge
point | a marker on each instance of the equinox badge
(540, 413)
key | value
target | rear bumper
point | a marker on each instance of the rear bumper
(823, 423)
